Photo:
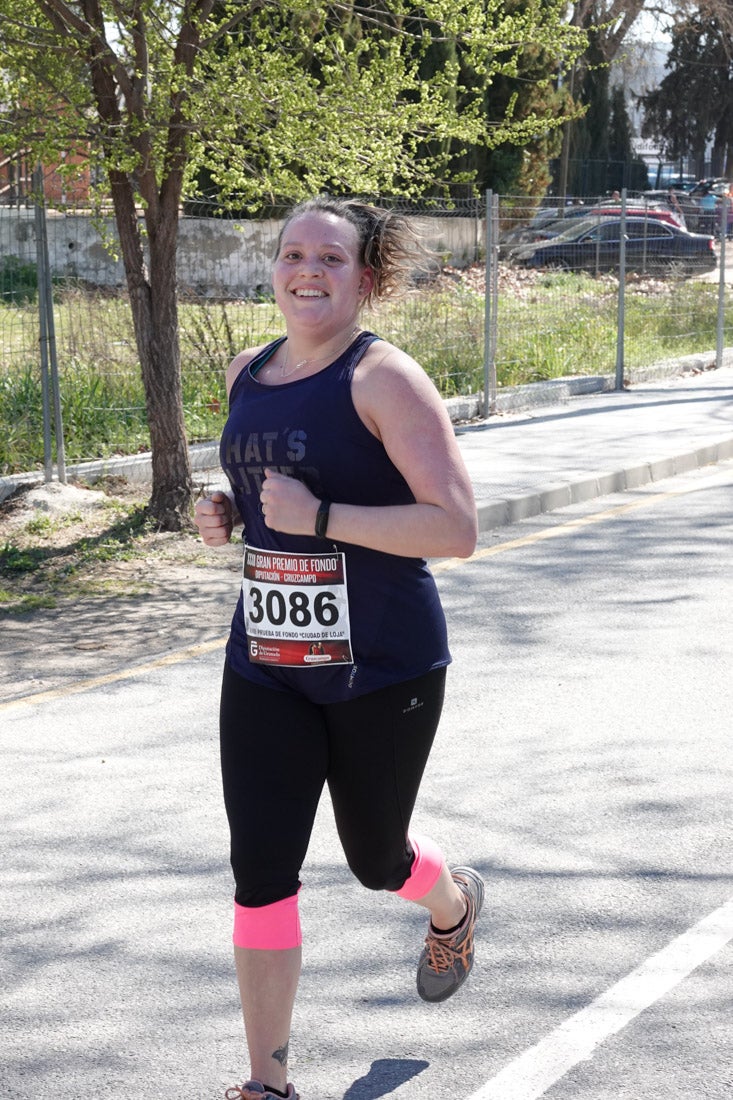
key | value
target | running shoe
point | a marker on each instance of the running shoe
(255, 1090)
(447, 957)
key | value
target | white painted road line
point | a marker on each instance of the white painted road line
(539, 1068)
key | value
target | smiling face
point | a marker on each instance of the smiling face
(318, 279)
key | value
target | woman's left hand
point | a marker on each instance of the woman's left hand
(287, 504)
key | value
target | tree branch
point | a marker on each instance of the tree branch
(90, 37)
(195, 14)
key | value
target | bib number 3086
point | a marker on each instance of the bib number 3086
(296, 608)
(300, 608)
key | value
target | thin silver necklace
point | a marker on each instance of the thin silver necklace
(285, 373)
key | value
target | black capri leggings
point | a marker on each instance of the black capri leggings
(278, 750)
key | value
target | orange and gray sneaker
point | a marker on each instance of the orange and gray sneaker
(255, 1090)
(447, 957)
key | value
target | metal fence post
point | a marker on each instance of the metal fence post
(43, 327)
(621, 296)
(43, 348)
(491, 292)
(47, 340)
(720, 328)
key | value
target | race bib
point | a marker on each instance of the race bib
(296, 608)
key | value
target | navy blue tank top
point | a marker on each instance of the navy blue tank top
(309, 429)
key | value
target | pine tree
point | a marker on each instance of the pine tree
(694, 102)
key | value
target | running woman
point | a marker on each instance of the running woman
(346, 475)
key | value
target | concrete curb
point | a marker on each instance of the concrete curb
(557, 391)
(505, 511)
(134, 468)
(548, 498)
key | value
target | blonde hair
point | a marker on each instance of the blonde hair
(389, 243)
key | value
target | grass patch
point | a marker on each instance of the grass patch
(567, 326)
(442, 327)
(15, 561)
(91, 547)
(49, 558)
(39, 525)
(21, 605)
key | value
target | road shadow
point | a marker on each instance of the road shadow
(384, 1076)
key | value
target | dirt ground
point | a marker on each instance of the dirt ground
(172, 592)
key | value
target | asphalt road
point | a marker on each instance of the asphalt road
(584, 766)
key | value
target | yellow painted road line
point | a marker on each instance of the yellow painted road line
(175, 658)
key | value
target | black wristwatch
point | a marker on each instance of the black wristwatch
(322, 518)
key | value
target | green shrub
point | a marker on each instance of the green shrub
(18, 281)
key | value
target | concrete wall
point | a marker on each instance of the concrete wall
(216, 257)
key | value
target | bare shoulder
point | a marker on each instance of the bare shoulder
(399, 403)
(383, 361)
(239, 362)
(388, 383)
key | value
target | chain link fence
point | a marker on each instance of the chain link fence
(487, 321)
(616, 287)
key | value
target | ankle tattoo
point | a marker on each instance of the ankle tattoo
(281, 1054)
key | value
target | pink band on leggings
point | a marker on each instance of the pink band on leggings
(426, 868)
(268, 927)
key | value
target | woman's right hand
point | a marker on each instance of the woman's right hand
(214, 518)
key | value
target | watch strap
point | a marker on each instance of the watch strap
(322, 518)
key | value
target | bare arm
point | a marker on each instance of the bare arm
(216, 516)
(399, 404)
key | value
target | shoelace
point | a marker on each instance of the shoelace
(442, 954)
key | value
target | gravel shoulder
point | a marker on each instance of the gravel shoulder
(92, 608)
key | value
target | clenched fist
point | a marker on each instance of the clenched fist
(287, 504)
(214, 517)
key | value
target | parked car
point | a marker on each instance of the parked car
(546, 223)
(717, 184)
(594, 245)
(635, 209)
(669, 177)
(708, 196)
(677, 200)
(522, 235)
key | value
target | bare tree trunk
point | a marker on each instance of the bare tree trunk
(153, 299)
(723, 146)
(153, 293)
(172, 493)
(717, 160)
